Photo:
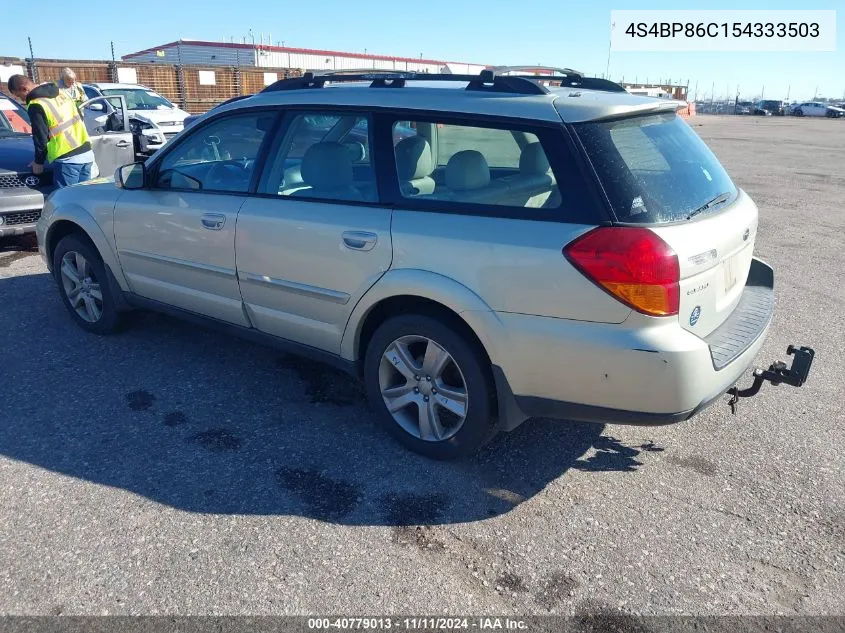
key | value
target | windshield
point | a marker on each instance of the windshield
(14, 119)
(655, 168)
(140, 98)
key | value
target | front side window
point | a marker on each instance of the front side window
(322, 156)
(466, 164)
(219, 156)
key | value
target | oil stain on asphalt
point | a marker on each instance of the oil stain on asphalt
(175, 418)
(324, 384)
(557, 588)
(140, 400)
(327, 499)
(217, 440)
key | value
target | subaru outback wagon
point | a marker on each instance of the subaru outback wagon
(478, 249)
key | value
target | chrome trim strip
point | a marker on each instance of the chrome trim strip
(304, 289)
(164, 259)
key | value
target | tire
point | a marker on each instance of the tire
(799, 112)
(85, 279)
(446, 434)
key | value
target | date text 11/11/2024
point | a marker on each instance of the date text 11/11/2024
(418, 623)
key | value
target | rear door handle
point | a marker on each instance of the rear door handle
(213, 221)
(123, 144)
(360, 240)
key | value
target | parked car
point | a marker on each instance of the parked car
(769, 107)
(22, 193)
(153, 119)
(469, 272)
(743, 107)
(817, 108)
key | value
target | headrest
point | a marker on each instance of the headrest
(533, 159)
(413, 158)
(327, 165)
(467, 170)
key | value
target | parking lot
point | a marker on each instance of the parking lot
(173, 470)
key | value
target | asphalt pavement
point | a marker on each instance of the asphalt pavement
(173, 470)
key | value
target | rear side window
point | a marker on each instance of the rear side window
(322, 156)
(469, 165)
(655, 169)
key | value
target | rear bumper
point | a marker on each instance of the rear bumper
(644, 371)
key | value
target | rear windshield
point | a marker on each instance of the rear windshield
(655, 169)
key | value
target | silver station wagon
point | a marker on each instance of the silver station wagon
(478, 249)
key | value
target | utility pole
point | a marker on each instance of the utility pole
(696, 89)
(815, 92)
(788, 91)
(609, 43)
(712, 92)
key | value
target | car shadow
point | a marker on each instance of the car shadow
(206, 423)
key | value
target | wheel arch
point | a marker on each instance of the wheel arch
(407, 290)
(74, 219)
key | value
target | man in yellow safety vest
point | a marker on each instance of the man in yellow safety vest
(58, 132)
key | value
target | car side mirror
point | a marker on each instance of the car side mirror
(131, 176)
(97, 107)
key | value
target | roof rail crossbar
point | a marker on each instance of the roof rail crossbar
(488, 80)
(576, 81)
(500, 70)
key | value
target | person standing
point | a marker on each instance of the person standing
(58, 132)
(70, 87)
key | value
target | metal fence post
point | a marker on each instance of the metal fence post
(180, 78)
(112, 66)
(31, 67)
(238, 86)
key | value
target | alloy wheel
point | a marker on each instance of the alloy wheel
(423, 388)
(81, 287)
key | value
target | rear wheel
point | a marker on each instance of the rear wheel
(430, 386)
(84, 285)
(799, 112)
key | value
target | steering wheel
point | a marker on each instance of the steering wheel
(228, 175)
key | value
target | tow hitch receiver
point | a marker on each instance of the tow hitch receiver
(776, 374)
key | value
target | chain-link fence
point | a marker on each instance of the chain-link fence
(193, 88)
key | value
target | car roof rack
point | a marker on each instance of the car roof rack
(489, 80)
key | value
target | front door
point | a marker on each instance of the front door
(111, 139)
(315, 239)
(176, 238)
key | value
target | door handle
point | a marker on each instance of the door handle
(360, 240)
(122, 144)
(213, 221)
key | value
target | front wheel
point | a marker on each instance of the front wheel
(799, 112)
(84, 286)
(430, 386)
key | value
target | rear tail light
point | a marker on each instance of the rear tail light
(632, 264)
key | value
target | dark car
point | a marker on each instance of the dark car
(743, 107)
(22, 193)
(768, 107)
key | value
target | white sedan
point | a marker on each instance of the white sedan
(816, 108)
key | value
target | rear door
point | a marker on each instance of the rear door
(315, 238)
(658, 173)
(108, 126)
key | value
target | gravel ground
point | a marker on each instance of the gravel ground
(172, 470)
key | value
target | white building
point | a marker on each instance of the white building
(195, 52)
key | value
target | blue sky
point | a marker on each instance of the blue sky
(550, 32)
